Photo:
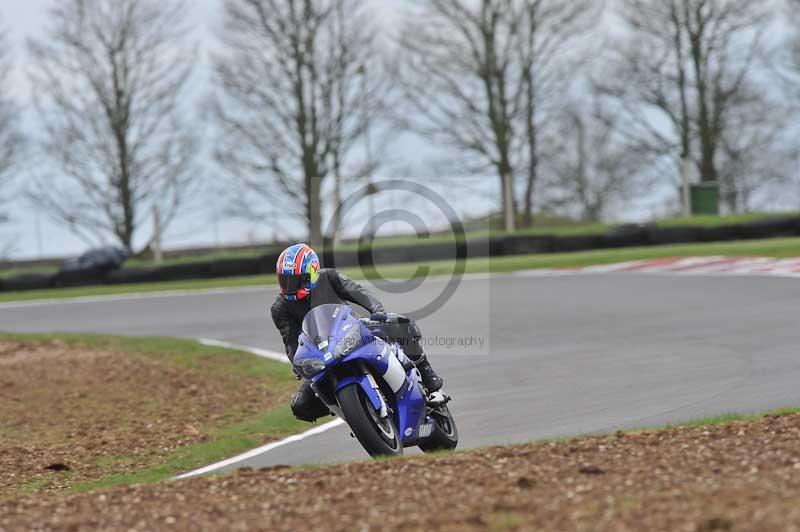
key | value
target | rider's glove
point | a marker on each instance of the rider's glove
(379, 317)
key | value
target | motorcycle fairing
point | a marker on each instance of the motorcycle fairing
(409, 404)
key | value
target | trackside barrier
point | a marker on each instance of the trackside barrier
(495, 246)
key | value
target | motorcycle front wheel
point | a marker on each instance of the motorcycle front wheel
(377, 435)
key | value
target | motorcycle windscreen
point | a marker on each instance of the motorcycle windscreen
(319, 323)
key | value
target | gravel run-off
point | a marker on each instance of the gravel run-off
(736, 476)
(72, 414)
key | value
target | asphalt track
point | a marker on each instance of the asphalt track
(563, 355)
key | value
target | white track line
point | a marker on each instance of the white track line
(270, 446)
(261, 450)
(272, 355)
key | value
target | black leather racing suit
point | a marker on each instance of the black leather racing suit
(332, 288)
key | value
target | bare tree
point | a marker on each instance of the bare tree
(792, 55)
(758, 155)
(10, 137)
(111, 88)
(681, 73)
(301, 93)
(553, 53)
(482, 78)
(591, 170)
(794, 16)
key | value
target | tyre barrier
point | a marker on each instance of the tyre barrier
(495, 246)
(26, 282)
(662, 236)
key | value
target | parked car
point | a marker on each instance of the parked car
(93, 265)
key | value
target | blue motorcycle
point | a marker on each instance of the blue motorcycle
(365, 378)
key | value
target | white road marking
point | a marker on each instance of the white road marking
(542, 273)
(270, 446)
(272, 355)
(615, 267)
(261, 450)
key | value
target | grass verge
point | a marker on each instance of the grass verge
(725, 419)
(228, 441)
(721, 221)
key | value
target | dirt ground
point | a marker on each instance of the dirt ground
(70, 414)
(740, 476)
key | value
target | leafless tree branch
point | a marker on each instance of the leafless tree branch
(111, 80)
(685, 75)
(483, 78)
(593, 170)
(300, 87)
(11, 141)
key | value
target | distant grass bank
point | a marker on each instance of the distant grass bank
(777, 248)
(545, 226)
(721, 221)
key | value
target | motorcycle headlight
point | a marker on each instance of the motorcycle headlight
(309, 367)
(349, 342)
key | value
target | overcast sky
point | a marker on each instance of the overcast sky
(36, 234)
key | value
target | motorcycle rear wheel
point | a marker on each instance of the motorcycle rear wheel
(377, 435)
(444, 436)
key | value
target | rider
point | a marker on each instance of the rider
(304, 286)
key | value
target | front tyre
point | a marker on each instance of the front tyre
(444, 436)
(377, 435)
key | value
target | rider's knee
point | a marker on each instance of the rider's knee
(405, 332)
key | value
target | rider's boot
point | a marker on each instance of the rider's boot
(430, 379)
(306, 406)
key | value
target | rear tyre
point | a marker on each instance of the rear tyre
(444, 436)
(377, 435)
